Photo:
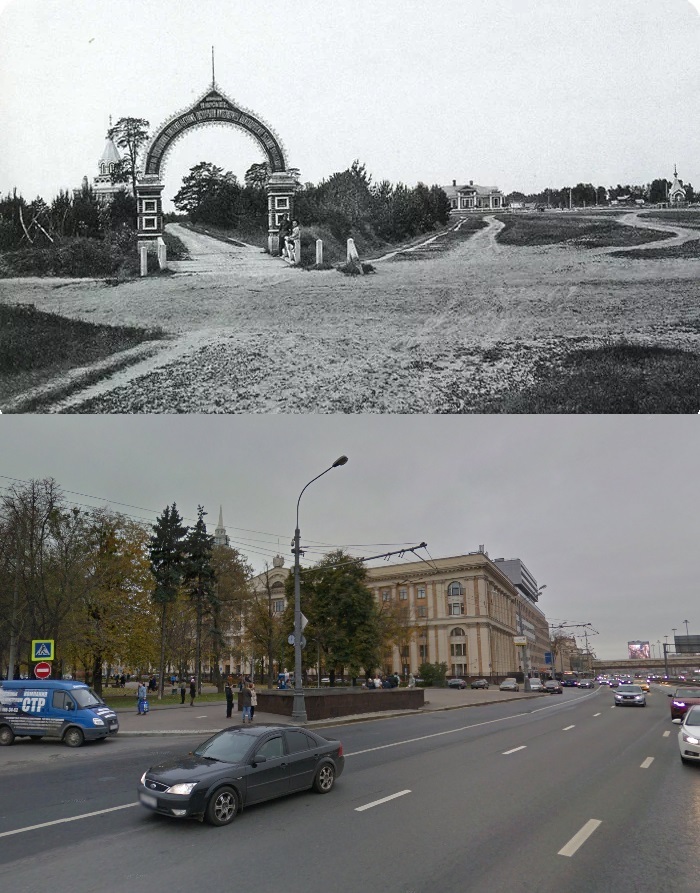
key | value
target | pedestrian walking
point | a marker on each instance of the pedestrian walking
(228, 691)
(246, 700)
(193, 691)
(142, 694)
(253, 701)
(183, 691)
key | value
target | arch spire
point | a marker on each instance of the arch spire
(213, 78)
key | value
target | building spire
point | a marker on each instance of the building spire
(213, 78)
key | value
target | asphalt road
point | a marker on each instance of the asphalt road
(490, 798)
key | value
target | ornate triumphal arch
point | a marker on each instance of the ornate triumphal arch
(212, 108)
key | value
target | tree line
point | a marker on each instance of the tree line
(116, 593)
(587, 195)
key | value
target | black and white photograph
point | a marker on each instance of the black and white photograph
(463, 206)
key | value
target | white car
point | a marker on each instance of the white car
(689, 736)
(536, 685)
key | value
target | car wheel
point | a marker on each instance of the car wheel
(325, 778)
(7, 736)
(73, 737)
(686, 761)
(222, 807)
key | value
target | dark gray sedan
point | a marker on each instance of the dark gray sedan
(238, 767)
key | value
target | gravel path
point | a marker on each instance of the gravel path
(431, 334)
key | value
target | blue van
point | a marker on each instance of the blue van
(53, 708)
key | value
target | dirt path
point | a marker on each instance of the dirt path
(428, 334)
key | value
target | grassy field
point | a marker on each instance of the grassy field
(615, 378)
(579, 231)
(687, 251)
(35, 346)
(683, 217)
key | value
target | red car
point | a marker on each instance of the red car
(683, 698)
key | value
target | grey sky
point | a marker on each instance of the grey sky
(515, 93)
(604, 510)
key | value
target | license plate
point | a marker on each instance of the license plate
(148, 800)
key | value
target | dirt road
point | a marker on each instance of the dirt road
(430, 334)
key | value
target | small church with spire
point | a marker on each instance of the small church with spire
(676, 192)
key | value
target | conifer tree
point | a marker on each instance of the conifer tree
(199, 578)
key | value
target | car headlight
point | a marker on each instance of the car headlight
(96, 721)
(185, 788)
(691, 739)
(143, 778)
(679, 703)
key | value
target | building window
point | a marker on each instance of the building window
(404, 651)
(386, 595)
(278, 605)
(459, 670)
(457, 632)
(458, 649)
(403, 594)
(150, 223)
(423, 649)
(455, 608)
(149, 205)
(421, 592)
(421, 611)
(455, 589)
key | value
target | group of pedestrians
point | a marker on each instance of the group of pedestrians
(249, 697)
(391, 680)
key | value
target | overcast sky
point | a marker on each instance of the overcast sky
(603, 510)
(521, 94)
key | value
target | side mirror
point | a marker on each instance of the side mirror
(259, 759)
(670, 694)
(677, 721)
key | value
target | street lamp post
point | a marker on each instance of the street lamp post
(298, 706)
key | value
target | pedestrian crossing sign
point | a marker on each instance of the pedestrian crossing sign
(42, 649)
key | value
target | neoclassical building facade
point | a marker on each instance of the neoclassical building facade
(472, 197)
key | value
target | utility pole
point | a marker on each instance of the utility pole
(686, 627)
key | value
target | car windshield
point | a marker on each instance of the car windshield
(633, 689)
(229, 747)
(687, 693)
(692, 717)
(86, 697)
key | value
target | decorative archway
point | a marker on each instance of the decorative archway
(213, 107)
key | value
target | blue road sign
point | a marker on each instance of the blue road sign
(42, 649)
(548, 657)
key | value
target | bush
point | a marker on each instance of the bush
(433, 674)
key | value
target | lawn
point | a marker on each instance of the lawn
(615, 378)
(579, 231)
(35, 346)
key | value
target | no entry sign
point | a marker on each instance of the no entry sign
(42, 670)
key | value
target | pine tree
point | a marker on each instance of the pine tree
(167, 549)
(199, 579)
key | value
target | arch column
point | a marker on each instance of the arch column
(280, 201)
(149, 208)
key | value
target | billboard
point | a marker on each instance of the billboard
(687, 644)
(637, 650)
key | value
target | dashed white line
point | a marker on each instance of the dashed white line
(379, 802)
(566, 728)
(579, 838)
(597, 714)
(647, 763)
(74, 818)
(666, 734)
(506, 752)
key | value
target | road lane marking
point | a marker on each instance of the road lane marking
(379, 802)
(597, 714)
(579, 838)
(566, 728)
(476, 725)
(666, 734)
(647, 763)
(522, 747)
(74, 818)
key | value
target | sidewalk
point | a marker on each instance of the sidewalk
(210, 716)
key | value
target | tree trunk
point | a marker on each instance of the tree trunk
(97, 674)
(162, 648)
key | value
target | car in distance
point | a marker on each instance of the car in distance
(480, 683)
(553, 687)
(689, 735)
(238, 767)
(629, 695)
(456, 683)
(536, 685)
(644, 685)
(586, 683)
(682, 699)
(509, 684)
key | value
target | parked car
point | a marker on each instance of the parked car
(456, 683)
(553, 687)
(630, 696)
(238, 767)
(480, 683)
(682, 699)
(536, 685)
(509, 684)
(689, 735)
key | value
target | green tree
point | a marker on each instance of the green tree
(198, 580)
(167, 558)
(265, 629)
(204, 181)
(341, 612)
(257, 175)
(433, 674)
(130, 134)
